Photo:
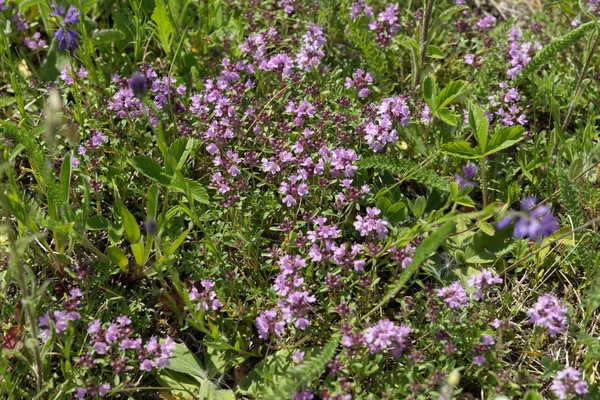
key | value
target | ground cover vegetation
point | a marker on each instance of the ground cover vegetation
(293, 199)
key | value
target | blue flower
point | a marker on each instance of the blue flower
(66, 39)
(534, 221)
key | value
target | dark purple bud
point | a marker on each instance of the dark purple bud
(137, 84)
(151, 226)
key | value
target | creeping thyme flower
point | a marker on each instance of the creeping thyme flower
(360, 81)
(483, 282)
(534, 221)
(35, 42)
(486, 23)
(304, 395)
(454, 295)
(549, 313)
(269, 322)
(385, 335)
(205, 298)
(371, 225)
(3, 5)
(466, 179)
(568, 382)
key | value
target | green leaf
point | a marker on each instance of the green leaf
(150, 168)
(485, 248)
(132, 230)
(6, 101)
(117, 256)
(179, 384)
(449, 93)
(504, 138)
(461, 149)
(429, 92)
(137, 249)
(486, 228)
(175, 245)
(66, 170)
(183, 361)
(532, 395)
(397, 212)
(480, 125)
(557, 45)
(108, 36)
(208, 391)
(152, 202)
(179, 151)
(97, 223)
(198, 191)
(447, 116)
(434, 52)
(162, 27)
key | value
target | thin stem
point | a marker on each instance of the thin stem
(484, 187)
(428, 11)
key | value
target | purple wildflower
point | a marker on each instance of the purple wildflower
(35, 42)
(534, 221)
(205, 298)
(466, 179)
(385, 335)
(486, 23)
(549, 313)
(371, 224)
(568, 382)
(454, 295)
(483, 282)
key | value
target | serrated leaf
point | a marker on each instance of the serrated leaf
(504, 138)
(150, 168)
(447, 116)
(480, 125)
(461, 149)
(163, 29)
(179, 151)
(486, 228)
(449, 93)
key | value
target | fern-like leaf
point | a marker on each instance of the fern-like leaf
(556, 46)
(303, 374)
(570, 201)
(374, 57)
(6, 101)
(407, 169)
